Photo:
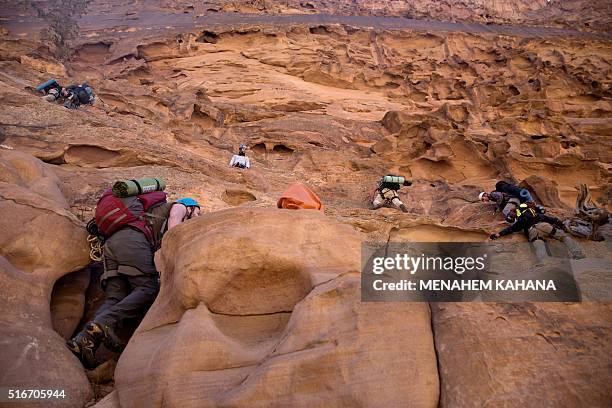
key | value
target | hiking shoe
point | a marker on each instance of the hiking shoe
(107, 335)
(83, 346)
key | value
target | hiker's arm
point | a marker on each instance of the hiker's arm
(177, 213)
(248, 162)
(517, 226)
(233, 160)
(552, 220)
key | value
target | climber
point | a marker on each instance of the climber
(386, 192)
(180, 213)
(505, 203)
(130, 280)
(240, 159)
(537, 227)
(77, 95)
(52, 90)
(507, 197)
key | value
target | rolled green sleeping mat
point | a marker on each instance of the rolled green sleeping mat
(394, 179)
(49, 83)
(128, 188)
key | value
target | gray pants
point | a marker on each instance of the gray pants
(543, 230)
(128, 252)
(127, 298)
(130, 280)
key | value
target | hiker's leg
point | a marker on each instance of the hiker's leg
(131, 254)
(379, 201)
(535, 237)
(135, 305)
(85, 343)
(541, 230)
(540, 250)
(397, 203)
(116, 288)
(571, 245)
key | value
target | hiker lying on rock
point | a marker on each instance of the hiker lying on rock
(130, 280)
(77, 95)
(503, 201)
(507, 197)
(386, 192)
(51, 89)
(240, 160)
(537, 227)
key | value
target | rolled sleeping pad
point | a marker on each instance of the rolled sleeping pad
(46, 84)
(525, 196)
(394, 179)
(128, 188)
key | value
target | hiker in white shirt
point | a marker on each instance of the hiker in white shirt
(240, 160)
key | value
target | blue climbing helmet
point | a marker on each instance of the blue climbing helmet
(188, 202)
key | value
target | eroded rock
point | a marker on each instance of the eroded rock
(40, 242)
(276, 320)
(533, 353)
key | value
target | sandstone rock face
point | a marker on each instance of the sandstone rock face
(40, 241)
(512, 354)
(333, 101)
(269, 315)
(68, 302)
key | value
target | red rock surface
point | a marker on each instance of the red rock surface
(332, 94)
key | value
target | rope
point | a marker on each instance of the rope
(96, 250)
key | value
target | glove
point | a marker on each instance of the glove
(493, 236)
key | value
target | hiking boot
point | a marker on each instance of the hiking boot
(84, 346)
(403, 208)
(104, 333)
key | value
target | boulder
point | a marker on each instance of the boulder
(40, 241)
(68, 302)
(530, 354)
(261, 307)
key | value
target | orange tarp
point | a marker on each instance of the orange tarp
(298, 196)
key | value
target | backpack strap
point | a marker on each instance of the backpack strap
(139, 186)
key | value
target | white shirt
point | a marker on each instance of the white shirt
(240, 161)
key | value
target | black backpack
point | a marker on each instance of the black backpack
(510, 189)
(84, 93)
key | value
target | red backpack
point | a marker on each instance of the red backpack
(114, 213)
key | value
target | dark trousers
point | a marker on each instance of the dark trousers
(127, 298)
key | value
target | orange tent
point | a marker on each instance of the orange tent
(298, 197)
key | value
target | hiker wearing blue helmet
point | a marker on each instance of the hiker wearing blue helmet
(130, 280)
(187, 209)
